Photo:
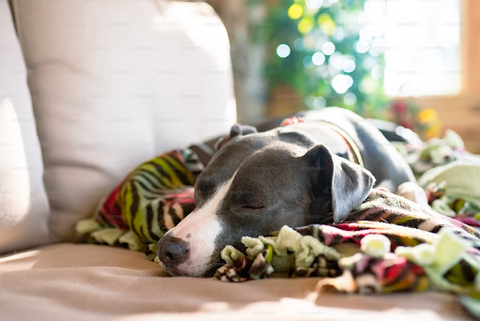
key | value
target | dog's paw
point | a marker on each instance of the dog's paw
(413, 192)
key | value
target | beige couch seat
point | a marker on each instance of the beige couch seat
(89, 282)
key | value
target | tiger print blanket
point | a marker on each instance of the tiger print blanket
(416, 242)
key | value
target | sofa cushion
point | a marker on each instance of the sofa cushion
(116, 82)
(88, 282)
(23, 202)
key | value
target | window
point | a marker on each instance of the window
(422, 46)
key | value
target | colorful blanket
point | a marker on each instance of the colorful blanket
(152, 199)
(387, 244)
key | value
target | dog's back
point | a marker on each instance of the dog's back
(379, 155)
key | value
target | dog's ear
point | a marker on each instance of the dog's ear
(235, 131)
(347, 183)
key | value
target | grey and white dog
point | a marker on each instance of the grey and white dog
(291, 175)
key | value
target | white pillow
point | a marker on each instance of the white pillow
(23, 202)
(116, 82)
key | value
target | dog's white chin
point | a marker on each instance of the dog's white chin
(186, 270)
(180, 273)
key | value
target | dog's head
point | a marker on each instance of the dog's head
(255, 184)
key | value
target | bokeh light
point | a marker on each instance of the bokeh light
(283, 51)
(305, 25)
(341, 83)
(350, 99)
(348, 65)
(313, 4)
(328, 48)
(318, 58)
(295, 11)
(362, 46)
(319, 103)
(327, 24)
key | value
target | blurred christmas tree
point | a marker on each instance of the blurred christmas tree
(329, 52)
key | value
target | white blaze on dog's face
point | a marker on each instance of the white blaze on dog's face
(199, 229)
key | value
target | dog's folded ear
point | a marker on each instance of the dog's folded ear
(235, 131)
(347, 183)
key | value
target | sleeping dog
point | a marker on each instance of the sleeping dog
(303, 173)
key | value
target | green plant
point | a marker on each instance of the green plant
(351, 76)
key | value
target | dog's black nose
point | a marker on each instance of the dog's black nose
(172, 250)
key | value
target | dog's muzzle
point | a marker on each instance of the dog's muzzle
(172, 251)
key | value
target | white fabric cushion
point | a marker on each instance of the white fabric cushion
(115, 82)
(23, 202)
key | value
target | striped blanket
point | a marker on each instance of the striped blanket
(387, 244)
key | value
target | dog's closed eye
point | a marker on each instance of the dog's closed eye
(249, 207)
